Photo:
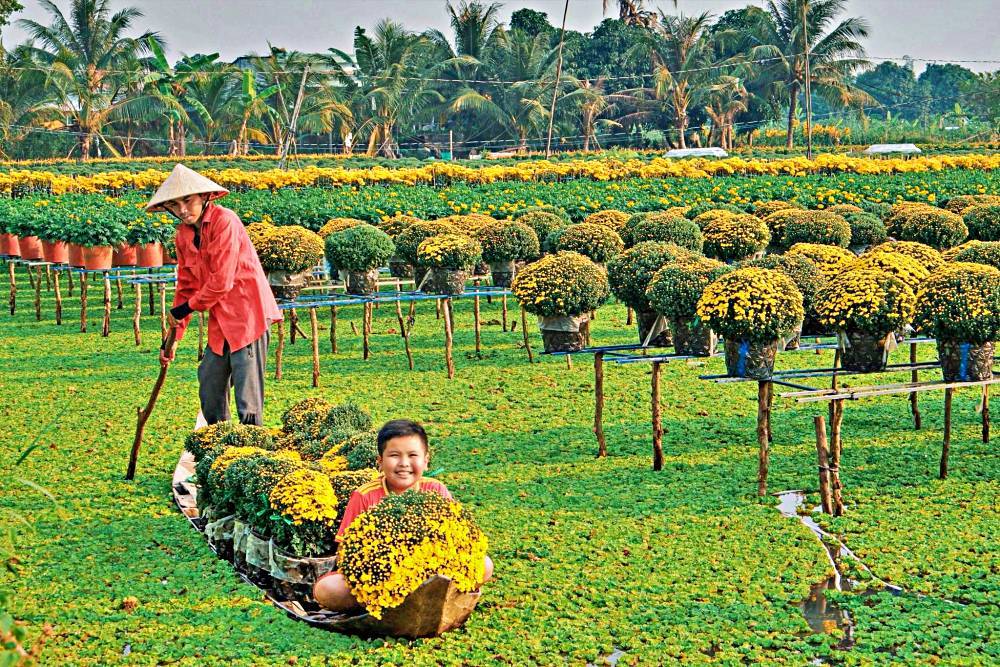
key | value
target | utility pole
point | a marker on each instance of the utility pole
(286, 146)
(808, 86)
(555, 89)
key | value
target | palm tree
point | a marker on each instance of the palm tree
(835, 52)
(25, 102)
(217, 89)
(170, 86)
(87, 59)
(727, 97)
(591, 101)
(631, 12)
(252, 105)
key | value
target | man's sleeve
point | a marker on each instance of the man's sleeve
(223, 252)
(186, 287)
(355, 506)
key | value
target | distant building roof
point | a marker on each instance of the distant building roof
(881, 149)
(696, 152)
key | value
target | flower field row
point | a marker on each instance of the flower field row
(17, 181)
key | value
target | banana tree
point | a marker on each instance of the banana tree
(253, 105)
(171, 87)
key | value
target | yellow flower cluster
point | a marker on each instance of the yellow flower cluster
(752, 304)
(608, 218)
(449, 251)
(332, 462)
(289, 248)
(305, 495)
(393, 548)
(735, 237)
(830, 260)
(468, 223)
(561, 285)
(960, 302)
(334, 225)
(930, 258)
(904, 267)
(961, 203)
(608, 169)
(865, 300)
(766, 208)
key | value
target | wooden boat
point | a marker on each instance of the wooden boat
(434, 608)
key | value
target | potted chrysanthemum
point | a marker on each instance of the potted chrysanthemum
(288, 253)
(394, 226)
(866, 307)
(598, 242)
(808, 278)
(450, 258)
(504, 244)
(734, 237)
(359, 251)
(408, 240)
(562, 290)
(674, 293)
(753, 309)
(959, 305)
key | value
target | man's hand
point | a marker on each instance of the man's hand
(167, 355)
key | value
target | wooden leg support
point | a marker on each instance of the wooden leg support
(106, 324)
(764, 392)
(836, 449)
(279, 352)
(657, 418)
(55, 283)
(333, 329)
(478, 327)
(366, 330)
(524, 334)
(118, 286)
(314, 328)
(137, 316)
(946, 445)
(448, 337)
(986, 413)
(914, 377)
(602, 446)
(83, 303)
(12, 277)
(405, 334)
(503, 306)
(38, 294)
(823, 461)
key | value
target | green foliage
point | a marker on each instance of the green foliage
(410, 238)
(359, 248)
(960, 302)
(983, 222)
(543, 222)
(598, 242)
(248, 435)
(821, 227)
(705, 207)
(675, 289)
(505, 240)
(736, 237)
(247, 484)
(867, 229)
(207, 439)
(987, 252)
(805, 274)
(306, 416)
(669, 229)
(361, 450)
(629, 273)
(937, 228)
(346, 417)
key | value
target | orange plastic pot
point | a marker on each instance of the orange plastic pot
(97, 258)
(9, 245)
(149, 255)
(56, 252)
(75, 254)
(31, 247)
(124, 255)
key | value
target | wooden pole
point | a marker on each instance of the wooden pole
(55, 282)
(602, 446)
(836, 449)
(986, 413)
(279, 351)
(333, 329)
(314, 328)
(366, 329)
(628, 317)
(808, 81)
(503, 301)
(411, 318)
(142, 415)
(31, 278)
(137, 316)
(118, 286)
(555, 87)
(293, 325)
(12, 277)
(657, 419)
(201, 335)
(524, 334)
(946, 445)
(152, 300)
(48, 276)
(106, 324)
(69, 282)
(475, 310)
(569, 362)
(448, 338)
(764, 389)
(914, 377)
(83, 303)
(38, 294)
(405, 334)
(823, 460)
(163, 307)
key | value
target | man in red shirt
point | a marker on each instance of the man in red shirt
(218, 271)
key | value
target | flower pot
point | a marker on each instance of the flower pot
(220, 536)
(124, 255)
(56, 252)
(965, 362)
(792, 340)
(362, 283)
(502, 273)
(293, 569)
(31, 247)
(565, 334)
(691, 338)
(647, 321)
(97, 258)
(447, 282)
(398, 268)
(169, 259)
(481, 269)
(285, 285)
(863, 352)
(858, 249)
(257, 556)
(750, 359)
(76, 255)
(149, 255)
(9, 245)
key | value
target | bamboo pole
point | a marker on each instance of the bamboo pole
(411, 318)
(823, 460)
(38, 293)
(946, 445)
(657, 418)
(293, 325)
(405, 334)
(137, 316)
(836, 449)
(914, 377)
(366, 330)
(118, 286)
(279, 351)
(69, 282)
(163, 308)
(628, 317)
(106, 324)
(314, 328)
(31, 278)
(333, 329)
(152, 300)
(11, 272)
(447, 338)
(569, 362)
(503, 306)
(475, 310)
(602, 447)
(48, 277)
(986, 413)
(764, 391)
(524, 334)
(55, 283)
(83, 303)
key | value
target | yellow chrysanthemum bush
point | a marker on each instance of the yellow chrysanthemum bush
(762, 209)
(334, 225)
(904, 267)
(305, 514)
(669, 228)
(674, 292)
(961, 203)
(936, 228)
(290, 248)
(210, 473)
(258, 232)
(608, 218)
(561, 285)
(394, 547)
(598, 242)
(468, 223)
(923, 253)
(820, 227)
(866, 300)
(901, 210)
(983, 221)
(508, 241)
(736, 237)
(449, 251)
(396, 224)
(410, 238)
(248, 481)
(751, 304)
(980, 252)
(950, 254)
(830, 260)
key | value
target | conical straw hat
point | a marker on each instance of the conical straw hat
(182, 182)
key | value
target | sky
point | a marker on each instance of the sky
(928, 29)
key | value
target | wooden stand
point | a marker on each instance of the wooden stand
(38, 294)
(914, 377)
(823, 461)
(404, 334)
(279, 351)
(475, 311)
(83, 303)
(136, 316)
(836, 448)
(602, 445)
(106, 324)
(503, 305)
(333, 330)
(314, 328)
(118, 287)
(765, 395)
(946, 445)
(445, 307)
(657, 419)
(11, 272)
(366, 330)
(55, 283)
(524, 334)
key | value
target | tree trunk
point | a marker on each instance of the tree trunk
(85, 139)
(181, 138)
(793, 98)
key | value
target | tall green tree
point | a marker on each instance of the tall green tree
(894, 87)
(943, 85)
(87, 58)
(170, 86)
(25, 102)
(8, 7)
